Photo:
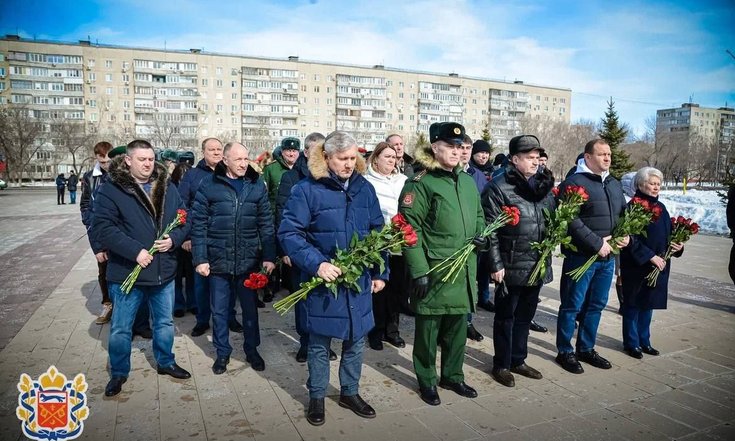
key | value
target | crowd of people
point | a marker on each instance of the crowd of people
(288, 216)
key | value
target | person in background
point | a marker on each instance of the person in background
(637, 261)
(731, 225)
(71, 184)
(388, 183)
(480, 161)
(404, 162)
(184, 299)
(60, 189)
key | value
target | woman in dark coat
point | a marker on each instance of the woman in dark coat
(637, 261)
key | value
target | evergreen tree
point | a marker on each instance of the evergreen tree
(615, 133)
(486, 135)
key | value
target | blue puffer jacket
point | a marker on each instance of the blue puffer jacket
(320, 217)
(599, 215)
(232, 232)
(126, 220)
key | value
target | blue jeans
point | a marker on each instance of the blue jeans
(73, 196)
(636, 326)
(592, 291)
(201, 294)
(160, 299)
(350, 366)
(223, 288)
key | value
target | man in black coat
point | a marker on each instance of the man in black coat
(130, 212)
(511, 257)
(590, 233)
(232, 237)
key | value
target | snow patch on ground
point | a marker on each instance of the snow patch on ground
(704, 207)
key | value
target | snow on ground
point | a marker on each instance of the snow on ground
(703, 206)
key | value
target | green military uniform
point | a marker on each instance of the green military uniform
(444, 209)
(273, 172)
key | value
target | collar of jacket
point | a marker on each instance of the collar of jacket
(544, 182)
(318, 168)
(425, 159)
(97, 170)
(485, 169)
(119, 174)
(647, 197)
(220, 171)
(582, 168)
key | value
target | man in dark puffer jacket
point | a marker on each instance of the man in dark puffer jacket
(231, 222)
(511, 257)
(590, 232)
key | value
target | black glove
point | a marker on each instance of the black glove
(482, 243)
(420, 287)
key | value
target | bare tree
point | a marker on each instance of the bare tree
(21, 136)
(73, 138)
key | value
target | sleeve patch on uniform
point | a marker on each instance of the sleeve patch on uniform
(407, 199)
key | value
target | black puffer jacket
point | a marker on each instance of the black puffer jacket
(599, 215)
(510, 247)
(230, 231)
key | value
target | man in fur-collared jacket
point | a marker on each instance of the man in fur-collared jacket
(131, 210)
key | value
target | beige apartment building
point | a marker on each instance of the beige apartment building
(176, 98)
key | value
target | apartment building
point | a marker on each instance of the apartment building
(175, 98)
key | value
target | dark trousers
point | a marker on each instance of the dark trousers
(102, 279)
(731, 266)
(59, 195)
(513, 315)
(203, 301)
(300, 314)
(184, 283)
(387, 303)
(222, 288)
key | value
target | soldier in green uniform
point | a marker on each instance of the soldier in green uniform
(443, 206)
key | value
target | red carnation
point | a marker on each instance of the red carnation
(555, 191)
(656, 212)
(398, 221)
(410, 237)
(694, 228)
(181, 214)
(513, 213)
(680, 220)
(256, 281)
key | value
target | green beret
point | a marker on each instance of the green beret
(117, 151)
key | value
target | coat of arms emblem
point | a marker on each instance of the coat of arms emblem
(52, 408)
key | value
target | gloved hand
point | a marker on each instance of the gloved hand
(420, 287)
(482, 243)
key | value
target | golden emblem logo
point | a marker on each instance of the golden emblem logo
(51, 407)
(457, 131)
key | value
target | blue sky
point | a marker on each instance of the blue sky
(645, 54)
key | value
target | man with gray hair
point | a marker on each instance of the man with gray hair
(232, 235)
(322, 214)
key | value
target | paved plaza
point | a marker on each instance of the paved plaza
(49, 300)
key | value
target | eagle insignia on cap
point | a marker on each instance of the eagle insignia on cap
(457, 131)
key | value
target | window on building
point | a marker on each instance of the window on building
(108, 63)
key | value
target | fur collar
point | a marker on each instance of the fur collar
(318, 163)
(119, 174)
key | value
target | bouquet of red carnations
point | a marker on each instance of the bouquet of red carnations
(361, 254)
(557, 225)
(180, 219)
(636, 218)
(681, 231)
(454, 263)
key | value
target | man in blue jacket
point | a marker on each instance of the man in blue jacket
(231, 221)
(130, 212)
(321, 216)
(188, 187)
(590, 233)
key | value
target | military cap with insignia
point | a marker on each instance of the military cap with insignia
(450, 132)
(290, 144)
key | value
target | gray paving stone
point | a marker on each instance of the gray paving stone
(653, 420)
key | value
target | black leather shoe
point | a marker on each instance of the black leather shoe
(302, 354)
(634, 352)
(527, 371)
(504, 377)
(267, 295)
(593, 358)
(175, 371)
(396, 341)
(570, 363)
(315, 414)
(332, 355)
(487, 306)
(375, 344)
(537, 328)
(199, 330)
(235, 326)
(260, 304)
(473, 334)
(460, 388)
(356, 404)
(430, 395)
(114, 386)
(220, 365)
(650, 350)
(146, 333)
(179, 313)
(256, 361)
